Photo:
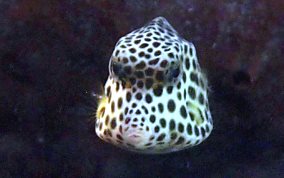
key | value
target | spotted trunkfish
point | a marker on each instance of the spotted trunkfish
(155, 98)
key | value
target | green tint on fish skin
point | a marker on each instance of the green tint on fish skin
(197, 117)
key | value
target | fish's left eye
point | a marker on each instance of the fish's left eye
(175, 72)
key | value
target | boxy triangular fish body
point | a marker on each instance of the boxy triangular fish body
(155, 98)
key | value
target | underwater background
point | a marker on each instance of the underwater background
(54, 55)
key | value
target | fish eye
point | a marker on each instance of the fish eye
(173, 72)
(118, 70)
(116, 67)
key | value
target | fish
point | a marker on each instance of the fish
(155, 99)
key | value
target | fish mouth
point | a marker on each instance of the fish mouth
(134, 136)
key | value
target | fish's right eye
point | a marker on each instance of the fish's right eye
(116, 67)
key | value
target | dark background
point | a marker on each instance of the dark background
(54, 54)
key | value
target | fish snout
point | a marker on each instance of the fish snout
(135, 136)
